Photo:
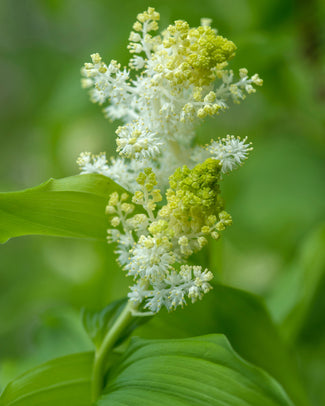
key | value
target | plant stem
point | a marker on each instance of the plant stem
(101, 354)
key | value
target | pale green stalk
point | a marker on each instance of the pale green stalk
(107, 345)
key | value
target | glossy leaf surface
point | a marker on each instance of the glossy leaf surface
(245, 321)
(189, 372)
(69, 207)
(64, 381)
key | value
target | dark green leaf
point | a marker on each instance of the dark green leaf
(295, 291)
(244, 319)
(98, 323)
(189, 372)
(64, 381)
(69, 207)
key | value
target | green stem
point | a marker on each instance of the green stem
(101, 354)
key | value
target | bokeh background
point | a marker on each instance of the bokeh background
(276, 245)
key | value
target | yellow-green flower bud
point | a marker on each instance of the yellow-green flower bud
(205, 230)
(113, 200)
(115, 221)
(183, 241)
(156, 195)
(110, 209)
(215, 235)
(137, 26)
(220, 226)
(202, 241)
(127, 208)
(158, 227)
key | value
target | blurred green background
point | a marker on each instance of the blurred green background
(276, 245)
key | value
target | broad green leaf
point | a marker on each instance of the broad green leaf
(69, 207)
(189, 372)
(244, 319)
(98, 323)
(295, 291)
(310, 350)
(64, 381)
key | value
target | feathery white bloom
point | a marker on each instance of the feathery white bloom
(123, 254)
(171, 292)
(236, 91)
(151, 258)
(178, 86)
(230, 151)
(93, 163)
(135, 140)
(137, 62)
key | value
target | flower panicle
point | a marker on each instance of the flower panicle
(182, 79)
(152, 243)
(174, 80)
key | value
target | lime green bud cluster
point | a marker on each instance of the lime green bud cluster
(147, 179)
(119, 208)
(196, 53)
(140, 39)
(148, 196)
(194, 206)
(150, 16)
(151, 244)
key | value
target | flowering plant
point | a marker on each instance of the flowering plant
(175, 80)
(164, 206)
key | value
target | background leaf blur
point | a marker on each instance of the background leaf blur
(277, 199)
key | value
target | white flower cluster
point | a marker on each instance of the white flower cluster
(171, 291)
(136, 141)
(230, 151)
(174, 81)
(153, 241)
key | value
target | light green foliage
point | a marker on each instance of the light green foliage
(70, 207)
(64, 381)
(302, 280)
(245, 321)
(189, 372)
